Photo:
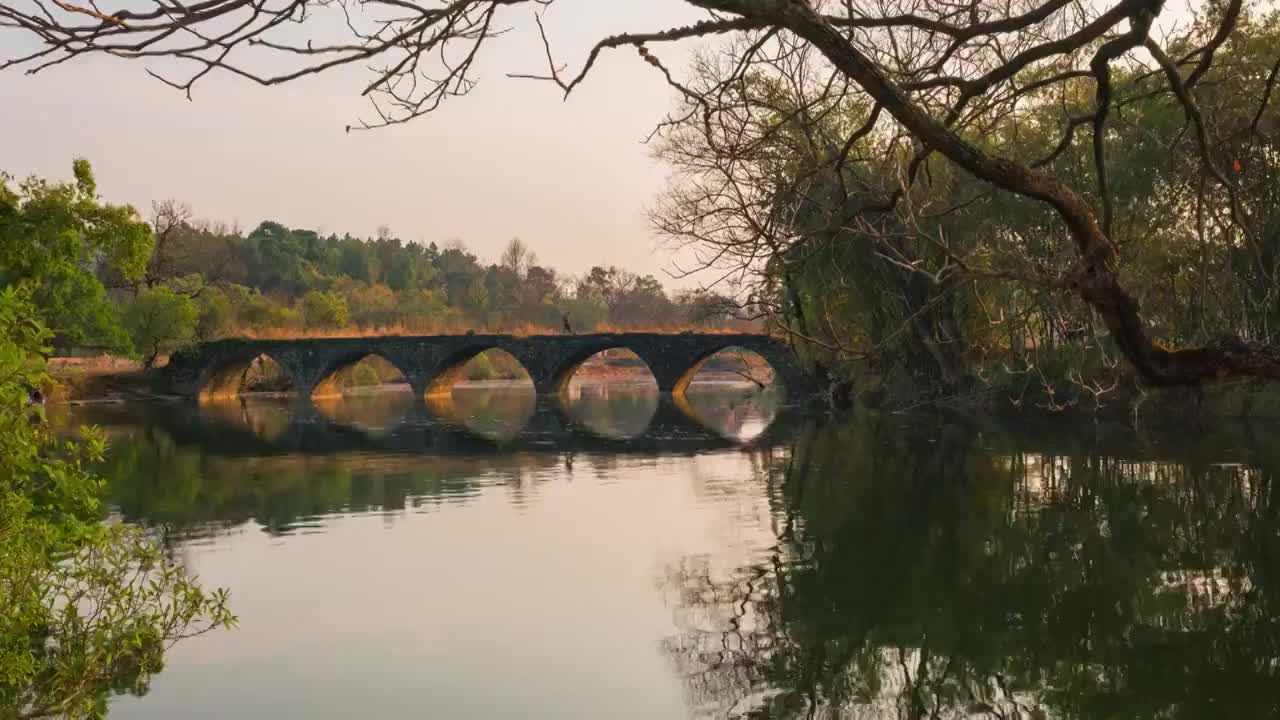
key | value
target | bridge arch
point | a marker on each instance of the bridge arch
(738, 418)
(226, 377)
(452, 365)
(713, 353)
(329, 383)
(672, 360)
(675, 364)
(562, 370)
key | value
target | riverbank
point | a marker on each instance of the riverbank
(100, 379)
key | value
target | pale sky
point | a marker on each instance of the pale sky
(512, 159)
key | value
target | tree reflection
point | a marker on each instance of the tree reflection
(156, 482)
(918, 577)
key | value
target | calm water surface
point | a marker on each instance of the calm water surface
(502, 556)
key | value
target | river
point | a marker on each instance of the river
(497, 555)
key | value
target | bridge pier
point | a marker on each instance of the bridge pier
(418, 383)
(557, 389)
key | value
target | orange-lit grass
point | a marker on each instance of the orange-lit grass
(95, 365)
(400, 330)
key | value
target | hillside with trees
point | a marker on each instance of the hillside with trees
(109, 281)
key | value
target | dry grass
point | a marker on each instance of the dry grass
(294, 333)
(97, 365)
(523, 330)
(95, 378)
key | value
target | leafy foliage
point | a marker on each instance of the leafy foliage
(161, 321)
(322, 310)
(87, 608)
(56, 239)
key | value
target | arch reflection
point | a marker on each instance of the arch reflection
(265, 417)
(612, 409)
(499, 416)
(377, 412)
(735, 412)
(466, 421)
(477, 364)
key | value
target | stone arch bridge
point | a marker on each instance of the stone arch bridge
(431, 363)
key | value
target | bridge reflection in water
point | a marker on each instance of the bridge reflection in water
(471, 420)
(202, 470)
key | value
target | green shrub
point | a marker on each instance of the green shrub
(160, 321)
(87, 608)
(216, 314)
(481, 368)
(323, 310)
(362, 375)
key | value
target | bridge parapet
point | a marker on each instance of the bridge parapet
(430, 362)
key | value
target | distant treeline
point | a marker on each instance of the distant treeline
(278, 279)
(108, 281)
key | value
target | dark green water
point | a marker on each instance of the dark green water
(498, 557)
